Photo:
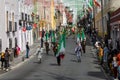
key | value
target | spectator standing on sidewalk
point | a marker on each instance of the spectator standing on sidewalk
(105, 57)
(7, 56)
(100, 53)
(27, 50)
(2, 59)
(114, 64)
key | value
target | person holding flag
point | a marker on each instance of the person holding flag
(61, 48)
(83, 39)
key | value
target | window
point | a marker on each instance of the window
(15, 41)
(10, 43)
(22, 16)
(15, 26)
(26, 17)
(0, 45)
(10, 26)
(7, 21)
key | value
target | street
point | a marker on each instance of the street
(70, 69)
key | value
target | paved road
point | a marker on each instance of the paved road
(70, 69)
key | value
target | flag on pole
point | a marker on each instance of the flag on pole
(52, 15)
(90, 4)
(83, 35)
(96, 3)
(78, 37)
(47, 35)
(61, 47)
(53, 36)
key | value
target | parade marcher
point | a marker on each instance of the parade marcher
(41, 43)
(55, 48)
(2, 59)
(84, 46)
(60, 54)
(78, 51)
(39, 54)
(27, 50)
(7, 56)
(47, 47)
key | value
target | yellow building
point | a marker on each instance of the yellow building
(108, 6)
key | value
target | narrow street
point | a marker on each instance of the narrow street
(70, 69)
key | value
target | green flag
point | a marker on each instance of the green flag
(62, 42)
(47, 36)
(83, 35)
(53, 36)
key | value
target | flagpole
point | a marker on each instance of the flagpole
(93, 14)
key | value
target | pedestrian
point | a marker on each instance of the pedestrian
(114, 64)
(39, 54)
(105, 57)
(100, 53)
(84, 46)
(2, 59)
(58, 60)
(47, 47)
(7, 56)
(55, 48)
(57, 54)
(78, 51)
(27, 50)
(42, 42)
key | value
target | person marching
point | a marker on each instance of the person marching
(78, 51)
(47, 47)
(84, 46)
(39, 54)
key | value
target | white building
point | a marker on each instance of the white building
(25, 11)
(8, 21)
(11, 12)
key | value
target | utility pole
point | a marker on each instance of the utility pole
(93, 14)
(102, 18)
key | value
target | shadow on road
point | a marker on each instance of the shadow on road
(73, 60)
(54, 64)
(57, 76)
(97, 75)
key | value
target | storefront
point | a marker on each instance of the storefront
(115, 28)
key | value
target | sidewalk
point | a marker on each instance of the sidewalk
(93, 50)
(19, 59)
